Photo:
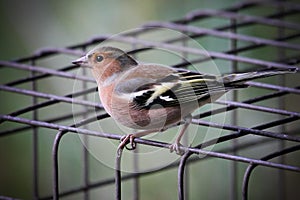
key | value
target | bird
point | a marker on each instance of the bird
(155, 97)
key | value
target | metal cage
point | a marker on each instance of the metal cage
(237, 39)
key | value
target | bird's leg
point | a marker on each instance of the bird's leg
(176, 146)
(130, 138)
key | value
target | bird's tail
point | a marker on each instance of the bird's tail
(241, 78)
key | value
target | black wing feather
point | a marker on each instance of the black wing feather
(188, 87)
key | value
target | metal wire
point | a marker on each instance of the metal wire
(288, 51)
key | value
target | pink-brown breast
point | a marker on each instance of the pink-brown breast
(120, 108)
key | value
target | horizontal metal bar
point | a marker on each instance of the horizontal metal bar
(247, 130)
(255, 3)
(51, 102)
(59, 127)
(51, 120)
(274, 87)
(195, 121)
(8, 198)
(223, 34)
(236, 50)
(252, 100)
(241, 18)
(46, 52)
(267, 64)
(38, 77)
(50, 96)
(240, 6)
(45, 70)
(277, 4)
(238, 25)
(158, 144)
(276, 123)
(239, 134)
(222, 155)
(259, 108)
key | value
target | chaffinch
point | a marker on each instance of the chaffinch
(153, 97)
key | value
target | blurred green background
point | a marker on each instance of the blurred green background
(27, 26)
(31, 25)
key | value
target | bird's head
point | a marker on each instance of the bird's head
(106, 61)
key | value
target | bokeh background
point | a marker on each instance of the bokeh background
(31, 25)
(28, 26)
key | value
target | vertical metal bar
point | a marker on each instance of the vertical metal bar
(281, 104)
(118, 180)
(252, 166)
(55, 178)
(35, 140)
(86, 166)
(185, 137)
(181, 179)
(136, 182)
(234, 165)
(85, 142)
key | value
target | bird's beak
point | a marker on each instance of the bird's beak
(81, 61)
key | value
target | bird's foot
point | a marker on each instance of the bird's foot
(125, 140)
(177, 148)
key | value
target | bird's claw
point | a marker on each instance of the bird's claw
(177, 148)
(124, 141)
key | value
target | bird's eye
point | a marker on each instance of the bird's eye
(99, 58)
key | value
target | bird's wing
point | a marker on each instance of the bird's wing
(174, 89)
(193, 86)
(169, 87)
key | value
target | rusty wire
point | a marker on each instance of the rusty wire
(227, 32)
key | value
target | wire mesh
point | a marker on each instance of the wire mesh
(40, 111)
